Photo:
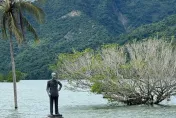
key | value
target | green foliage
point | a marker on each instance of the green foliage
(8, 77)
(97, 22)
(163, 29)
(97, 88)
(1, 77)
(125, 66)
(19, 76)
(98, 85)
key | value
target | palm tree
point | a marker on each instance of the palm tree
(15, 24)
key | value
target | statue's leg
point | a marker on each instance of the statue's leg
(56, 105)
(51, 105)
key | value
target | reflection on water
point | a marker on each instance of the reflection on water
(33, 102)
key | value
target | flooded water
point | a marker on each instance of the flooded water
(33, 102)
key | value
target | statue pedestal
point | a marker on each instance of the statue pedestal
(55, 116)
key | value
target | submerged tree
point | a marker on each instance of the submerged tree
(14, 24)
(136, 73)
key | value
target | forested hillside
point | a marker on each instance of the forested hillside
(79, 24)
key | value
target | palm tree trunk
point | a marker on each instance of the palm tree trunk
(13, 73)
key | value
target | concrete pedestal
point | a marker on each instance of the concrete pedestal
(55, 116)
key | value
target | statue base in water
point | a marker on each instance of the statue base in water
(55, 116)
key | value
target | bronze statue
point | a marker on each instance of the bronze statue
(53, 93)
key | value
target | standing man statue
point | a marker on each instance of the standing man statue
(53, 92)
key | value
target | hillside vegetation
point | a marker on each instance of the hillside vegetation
(80, 24)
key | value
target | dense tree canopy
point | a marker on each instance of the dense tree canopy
(80, 24)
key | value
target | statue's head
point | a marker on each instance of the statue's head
(53, 74)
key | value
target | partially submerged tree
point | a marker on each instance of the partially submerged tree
(14, 24)
(136, 73)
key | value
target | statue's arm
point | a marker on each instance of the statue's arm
(47, 88)
(60, 85)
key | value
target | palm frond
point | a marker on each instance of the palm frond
(13, 20)
(14, 29)
(31, 8)
(1, 7)
(21, 24)
(41, 1)
(30, 28)
(2, 10)
(3, 26)
(7, 3)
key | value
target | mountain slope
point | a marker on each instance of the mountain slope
(166, 28)
(79, 24)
